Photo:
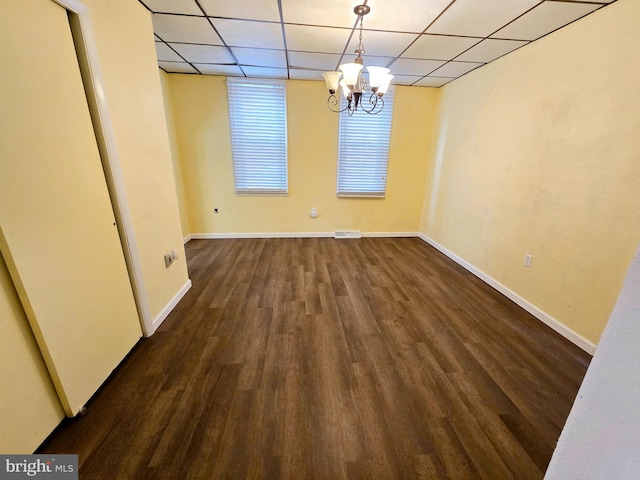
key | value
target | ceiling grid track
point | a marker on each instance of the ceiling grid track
(423, 43)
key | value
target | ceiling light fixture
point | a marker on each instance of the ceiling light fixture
(353, 83)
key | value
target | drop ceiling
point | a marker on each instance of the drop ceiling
(423, 42)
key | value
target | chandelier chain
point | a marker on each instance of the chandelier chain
(360, 46)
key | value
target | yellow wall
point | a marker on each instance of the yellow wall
(57, 230)
(29, 407)
(538, 153)
(199, 105)
(175, 154)
(126, 49)
(124, 40)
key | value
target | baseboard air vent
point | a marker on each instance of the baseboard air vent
(347, 234)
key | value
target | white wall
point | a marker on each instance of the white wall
(601, 439)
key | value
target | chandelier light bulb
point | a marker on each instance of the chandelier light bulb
(376, 77)
(345, 90)
(332, 79)
(350, 72)
(384, 84)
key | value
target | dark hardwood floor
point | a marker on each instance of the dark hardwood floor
(331, 359)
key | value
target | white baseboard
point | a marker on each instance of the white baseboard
(209, 236)
(171, 305)
(186, 239)
(389, 234)
(545, 318)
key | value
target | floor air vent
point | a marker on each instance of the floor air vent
(347, 234)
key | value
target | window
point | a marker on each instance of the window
(363, 152)
(257, 113)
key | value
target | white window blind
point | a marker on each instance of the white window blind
(363, 151)
(257, 113)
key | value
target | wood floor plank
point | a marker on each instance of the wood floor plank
(515, 456)
(318, 358)
(450, 452)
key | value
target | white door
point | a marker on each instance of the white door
(57, 227)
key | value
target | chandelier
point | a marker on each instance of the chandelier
(353, 84)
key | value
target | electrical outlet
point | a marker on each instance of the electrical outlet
(170, 257)
(527, 260)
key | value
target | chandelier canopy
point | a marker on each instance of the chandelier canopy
(354, 85)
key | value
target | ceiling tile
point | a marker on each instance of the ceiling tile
(176, 28)
(301, 74)
(260, 57)
(203, 53)
(490, 49)
(433, 81)
(318, 61)
(316, 39)
(388, 44)
(212, 69)
(166, 54)
(372, 60)
(187, 7)
(436, 47)
(177, 67)
(265, 72)
(319, 36)
(412, 16)
(544, 19)
(455, 69)
(331, 13)
(247, 9)
(405, 79)
(410, 66)
(479, 18)
(240, 33)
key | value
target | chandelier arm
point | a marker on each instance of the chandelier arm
(380, 102)
(352, 105)
(375, 101)
(333, 101)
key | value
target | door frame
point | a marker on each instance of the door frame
(93, 80)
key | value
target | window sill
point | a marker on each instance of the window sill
(360, 195)
(262, 194)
